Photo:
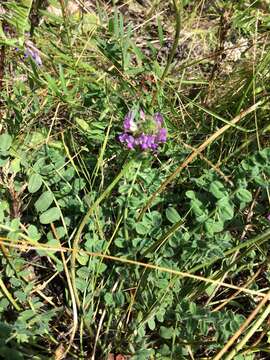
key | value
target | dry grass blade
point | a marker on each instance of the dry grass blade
(25, 246)
(100, 324)
(73, 300)
(215, 167)
(233, 296)
(250, 333)
(240, 331)
(8, 295)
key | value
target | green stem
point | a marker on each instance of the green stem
(126, 205)
(84, 222)
(162, 240)
(177, 10)
(64, 14)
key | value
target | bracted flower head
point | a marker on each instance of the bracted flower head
(145, 132)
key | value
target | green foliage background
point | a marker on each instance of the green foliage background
(75, 206)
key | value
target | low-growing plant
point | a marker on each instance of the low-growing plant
(134, 184)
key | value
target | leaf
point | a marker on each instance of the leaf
(217, 189)
(44, 201)
(210, 289)
(166, 333)
(141, 331)
(78, 184)
(52, 84)
(151, 324)
(212, 226)
(83, 272)
(191, 194)
(53, 243)
(244, 195)
(34, 183)
(82, 259)
(15, 165)
(18, 16)
(49, 216)
(120, 243)
(172, 215)
(5, 142)
(225, 208)
(142, 228)
(198, 209)
(108, 299)
(143, 354)
(192, 308)
(26, 315)
(160, 314)
(33, 233)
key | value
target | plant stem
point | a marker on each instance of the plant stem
(177, 11)
(85, 220)
(126, 205)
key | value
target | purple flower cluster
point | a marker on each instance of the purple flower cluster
(31, 52)
(145, 133)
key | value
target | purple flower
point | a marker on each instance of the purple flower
(158, 119)
(129, 124)
(33, 52)
(162, 135)
(145, 132)
(128, 139)
(144, 141)
(123, 137)
(268, 217)
(148, 142)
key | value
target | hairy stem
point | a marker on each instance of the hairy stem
(84, 222)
